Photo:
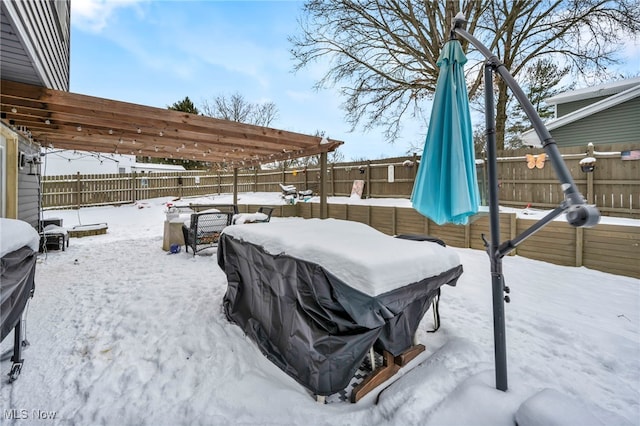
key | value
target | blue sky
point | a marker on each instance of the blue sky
(157, 52)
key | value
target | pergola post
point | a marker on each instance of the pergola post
(323, 185)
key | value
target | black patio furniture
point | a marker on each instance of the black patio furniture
(204, 229)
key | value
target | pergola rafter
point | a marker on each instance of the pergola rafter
(65, 120)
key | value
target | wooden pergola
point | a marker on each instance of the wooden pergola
(65, 120)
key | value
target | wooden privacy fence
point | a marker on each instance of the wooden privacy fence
(614, 184)
(75, 191)
(613, 249)
(608, 248)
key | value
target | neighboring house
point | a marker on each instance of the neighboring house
(156, 168)
(57, 162)
(34, 49)
(604, 114)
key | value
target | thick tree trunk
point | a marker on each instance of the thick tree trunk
(501, 112)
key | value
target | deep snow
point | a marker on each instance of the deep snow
(131, 335)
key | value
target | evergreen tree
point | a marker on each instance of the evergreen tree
(184, 105)
(540, 82)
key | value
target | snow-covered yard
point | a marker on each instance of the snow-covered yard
(122, 333)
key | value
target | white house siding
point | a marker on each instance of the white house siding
(156, 168)
(63, 162)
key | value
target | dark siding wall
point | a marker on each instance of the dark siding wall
(43, 27)
(28, 189)
(619, 124)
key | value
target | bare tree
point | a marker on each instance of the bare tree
(383, 53)
(236, 108)
(333, 157)
(264, 114)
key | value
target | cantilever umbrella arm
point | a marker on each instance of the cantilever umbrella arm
(506, 247)
(578, 212)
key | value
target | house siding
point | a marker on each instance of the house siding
(42, 32)
(28, 188)
(569, 107)
(618, 124)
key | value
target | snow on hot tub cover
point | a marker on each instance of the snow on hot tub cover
(316, 294)
(367, 259)
(18, 246)
(15, 234)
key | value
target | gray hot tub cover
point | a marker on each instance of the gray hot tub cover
(17, 273)
(312, 325)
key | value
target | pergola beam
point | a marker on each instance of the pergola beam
(80, 122)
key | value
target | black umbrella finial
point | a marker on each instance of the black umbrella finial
(459, 21)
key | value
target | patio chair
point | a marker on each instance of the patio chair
(53, 237)
(199, 208)
(263, 215)
(288, 190)
(435, 304)
(204, 230)
(305, 195)
(265, 210)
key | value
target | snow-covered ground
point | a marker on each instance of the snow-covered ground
(122, 333)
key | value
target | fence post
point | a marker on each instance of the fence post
(255, 180)
(369, 179)
(425, 224)
(513, 231)
(133, 187)
(394, 219)
(590, 150)
(235, 185)
(579, 245)
(467, 235)
(78, 190)
(333, 180)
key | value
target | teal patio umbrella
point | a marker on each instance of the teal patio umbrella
(446, 186)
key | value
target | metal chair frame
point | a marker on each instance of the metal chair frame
(205, 229)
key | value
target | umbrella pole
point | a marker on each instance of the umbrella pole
(497, 278)
(579, 214)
